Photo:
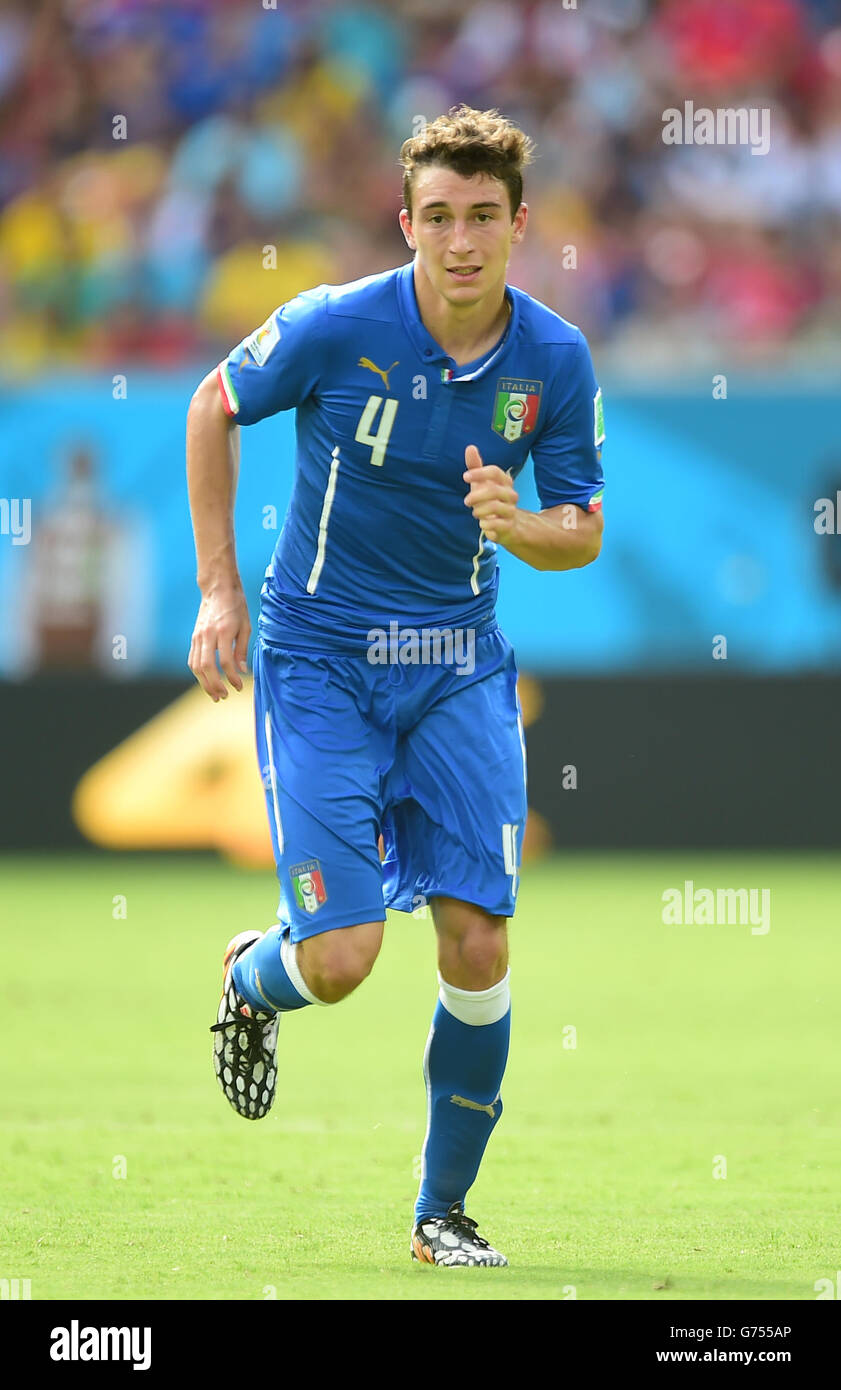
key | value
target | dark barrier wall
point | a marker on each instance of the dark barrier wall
(673, 761)
(684, 761)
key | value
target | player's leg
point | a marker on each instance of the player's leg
(319, 752)
(335, 962)
(456, 841)
(464, 1064)
(472, 944)
(280, 974)
(263, 977)
(467, 1049)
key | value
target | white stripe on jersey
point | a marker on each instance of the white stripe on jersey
(474, 578)
(330, 493)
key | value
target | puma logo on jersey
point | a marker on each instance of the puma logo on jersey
(372, 367)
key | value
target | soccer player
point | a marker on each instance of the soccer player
(385, 692)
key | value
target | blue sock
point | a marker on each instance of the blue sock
(463, 1067)
(268, 978)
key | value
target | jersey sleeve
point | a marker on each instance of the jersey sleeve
(567, 454)
(278, 365)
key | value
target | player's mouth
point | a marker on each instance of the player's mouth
(464, 274)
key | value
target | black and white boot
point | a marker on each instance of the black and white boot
(452, 1240)
(245, 1042)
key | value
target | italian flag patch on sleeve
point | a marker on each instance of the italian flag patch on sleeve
(230, 399)
(598, 419)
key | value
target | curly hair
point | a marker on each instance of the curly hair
(470, 142)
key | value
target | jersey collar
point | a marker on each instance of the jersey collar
(431, 352)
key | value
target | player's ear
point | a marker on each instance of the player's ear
(521, 217)
(406, 228)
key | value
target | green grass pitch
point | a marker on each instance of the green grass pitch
(695, 1044)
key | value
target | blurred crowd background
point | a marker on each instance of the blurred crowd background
(248, 126)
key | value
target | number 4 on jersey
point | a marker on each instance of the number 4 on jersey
(378, 441)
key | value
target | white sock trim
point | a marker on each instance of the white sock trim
(478, 1007)
(289, 960)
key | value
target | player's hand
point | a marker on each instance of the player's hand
(224, 627)
(491, 497)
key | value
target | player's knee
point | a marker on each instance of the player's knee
(480, 964)
(475, 958)
(338, 976)
(334, 964)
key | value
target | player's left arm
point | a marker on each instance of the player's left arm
(565, 537)
(567, 531)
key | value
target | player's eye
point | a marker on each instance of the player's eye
(484, 217)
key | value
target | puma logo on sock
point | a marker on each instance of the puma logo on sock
(473, 1105)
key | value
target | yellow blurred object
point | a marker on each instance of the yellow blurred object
(32, 239)
(98, 193)
(564, 214)
(185, 780)
(141, 170)
(537, 839)
(315, 104)
(531, 699)
(27, 342)
(241, 292)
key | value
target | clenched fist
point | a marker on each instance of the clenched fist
(491, 497)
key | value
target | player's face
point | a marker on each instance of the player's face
(462, 231)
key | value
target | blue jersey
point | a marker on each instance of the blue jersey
(377, 529)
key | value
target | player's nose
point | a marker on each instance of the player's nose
(460, 239)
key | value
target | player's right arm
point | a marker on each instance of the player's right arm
(275, 368)
(223, 625)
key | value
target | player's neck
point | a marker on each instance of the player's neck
(464, 332)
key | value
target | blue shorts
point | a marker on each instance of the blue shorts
(431, 756)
